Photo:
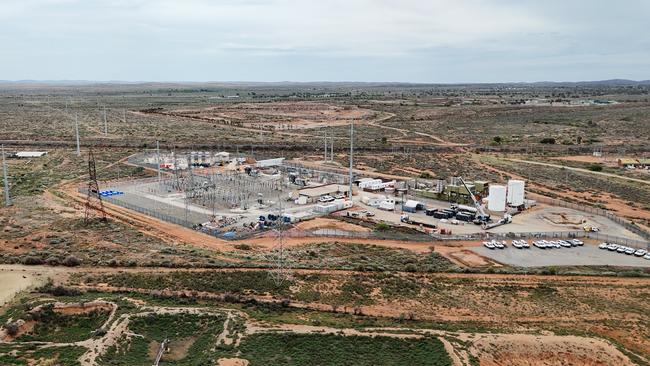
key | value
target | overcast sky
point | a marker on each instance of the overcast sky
(325, 40)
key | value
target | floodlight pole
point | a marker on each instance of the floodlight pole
(6, 178)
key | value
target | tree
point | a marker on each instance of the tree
(498, 140)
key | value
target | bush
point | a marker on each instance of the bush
(596, 168)
(548, 140)
(71, 261)
(32, 260)
(382, 226)
(11, 328)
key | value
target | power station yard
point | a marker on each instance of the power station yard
(587, 255)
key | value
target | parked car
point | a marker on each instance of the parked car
(647, 256)
(326, 198)
(641, 252)
(612, 247)
(629, 251)
(517, 244)
(603, 246)
(565, 243)
(577, 242)
(499, 245)
(488, 245)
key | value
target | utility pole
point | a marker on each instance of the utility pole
(325, 149)
(76, 128)
(351, 153)
(158, 160)
(332, 149)
(124, 115)
(6, 178)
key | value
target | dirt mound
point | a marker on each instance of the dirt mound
(232, 362)
(324, 223)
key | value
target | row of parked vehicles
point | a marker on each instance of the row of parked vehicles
(496, 244)
(541, 244)
(557, 244)
(625, 250)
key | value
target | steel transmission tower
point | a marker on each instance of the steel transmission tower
(94, 203)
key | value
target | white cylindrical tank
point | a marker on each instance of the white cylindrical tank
(516, 192)
(497, 198)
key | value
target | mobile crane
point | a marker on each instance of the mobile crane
(482, 218)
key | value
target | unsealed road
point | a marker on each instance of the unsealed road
(581, 170)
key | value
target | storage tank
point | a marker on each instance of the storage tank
(497, 198)
(516, 192)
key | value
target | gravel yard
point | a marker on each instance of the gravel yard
(587, 255)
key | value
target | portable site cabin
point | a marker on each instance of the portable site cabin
(387, 204)
(222, 157)
(372, 201)
(30, 154)
(269, 162)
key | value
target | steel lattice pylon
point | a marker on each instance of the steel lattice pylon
(94, 204)
(281, 271)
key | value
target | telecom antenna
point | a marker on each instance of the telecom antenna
(94, 203)
(76, 128)
(6, 178)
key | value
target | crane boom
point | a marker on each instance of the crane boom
(482, 216)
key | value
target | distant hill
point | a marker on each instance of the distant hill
(594, 83)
